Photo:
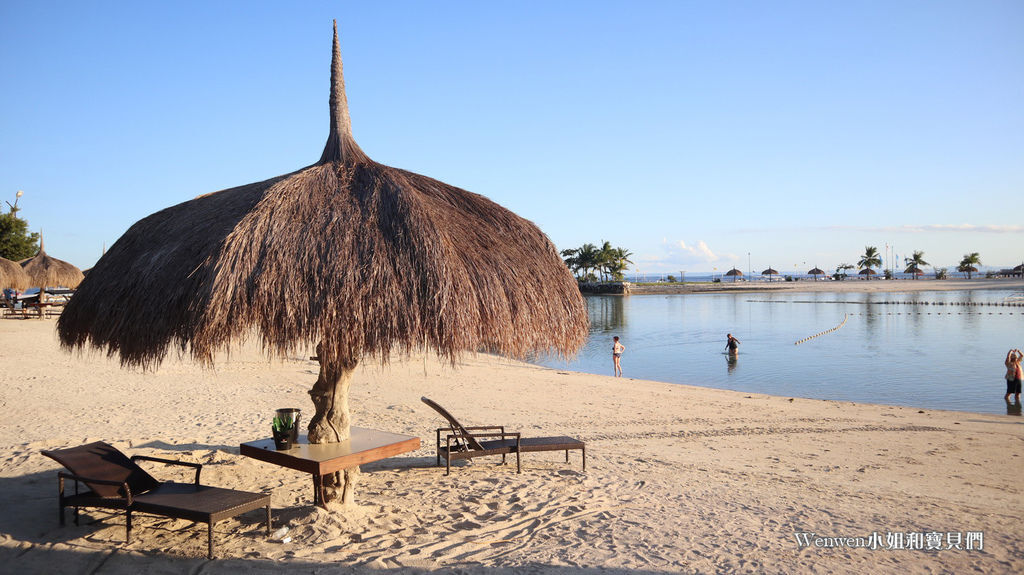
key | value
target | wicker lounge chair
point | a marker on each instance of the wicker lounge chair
(463, 442)
(117, 482)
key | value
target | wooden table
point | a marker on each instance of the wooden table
(320, 459)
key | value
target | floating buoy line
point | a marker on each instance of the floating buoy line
(841, 324)
(970, 306)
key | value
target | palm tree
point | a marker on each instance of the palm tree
(914, 263)
(969, 263)
(618, 263)
(870, 258)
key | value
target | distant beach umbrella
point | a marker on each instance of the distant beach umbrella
(46, 271)
(13, 276)
(816, 272)
(770, 272)
(734, 273)
(867, 273)
(358, 258)
(914, 270)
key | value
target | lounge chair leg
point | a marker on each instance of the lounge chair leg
(268, 521)
(209, 540)
(128, 526)
(518, 468)
(567, 456)
(448, 464)
(76, 515)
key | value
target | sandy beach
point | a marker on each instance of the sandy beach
(679, 479)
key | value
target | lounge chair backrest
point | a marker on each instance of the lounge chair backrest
(460, 432)
(101, 460)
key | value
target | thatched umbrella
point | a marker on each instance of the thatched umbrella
(867, 273)
(355, 257)
(734, 272)
(815, 272)
(914, 270)
(12, 276)
(770, 272)
(46, 271)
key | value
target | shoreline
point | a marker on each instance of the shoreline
(845, 286)
(679, 478)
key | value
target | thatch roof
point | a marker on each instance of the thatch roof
(867, 272)
(12, 276)
(365, 258)
(913, 270)
(769, 272)
(734, 272)
(46, 271)
(815, 272)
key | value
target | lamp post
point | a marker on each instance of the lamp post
(14, 208)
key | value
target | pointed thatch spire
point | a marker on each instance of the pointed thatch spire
(341, 146)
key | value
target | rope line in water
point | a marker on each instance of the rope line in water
(841, 324)
(1007, 303)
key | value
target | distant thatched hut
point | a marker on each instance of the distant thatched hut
(355, 257)
(734, 273)
(47, 271)
(12, 276)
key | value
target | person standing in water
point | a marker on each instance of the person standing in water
(1013, 374)
(617, 349)
(732, 344)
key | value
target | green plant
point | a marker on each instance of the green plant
(283, 424)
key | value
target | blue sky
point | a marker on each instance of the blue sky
(698, 135)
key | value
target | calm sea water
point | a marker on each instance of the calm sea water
(935, 350)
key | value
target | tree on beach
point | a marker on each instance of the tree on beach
(614, 261)
(582, 261)
(969, 264)
(914, 264)
(841, 271)
(869, 260)
(16, 243)
(609, 262)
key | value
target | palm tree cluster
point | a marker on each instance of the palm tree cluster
(590, 263)
(914, 263)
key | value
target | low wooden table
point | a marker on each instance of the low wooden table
(320, 459)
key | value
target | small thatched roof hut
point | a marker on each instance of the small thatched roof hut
(12, 276)
(45, 271)
(815, 271)
(734, 273)
(355, 257)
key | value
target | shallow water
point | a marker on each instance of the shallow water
(936, 350)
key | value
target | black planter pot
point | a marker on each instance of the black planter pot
(283, 440)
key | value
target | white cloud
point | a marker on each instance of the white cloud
(936, 228)
(678, 255)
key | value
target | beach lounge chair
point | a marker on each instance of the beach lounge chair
(117, 482)
(463, 442)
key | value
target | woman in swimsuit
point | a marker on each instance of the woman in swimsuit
(617, 349)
